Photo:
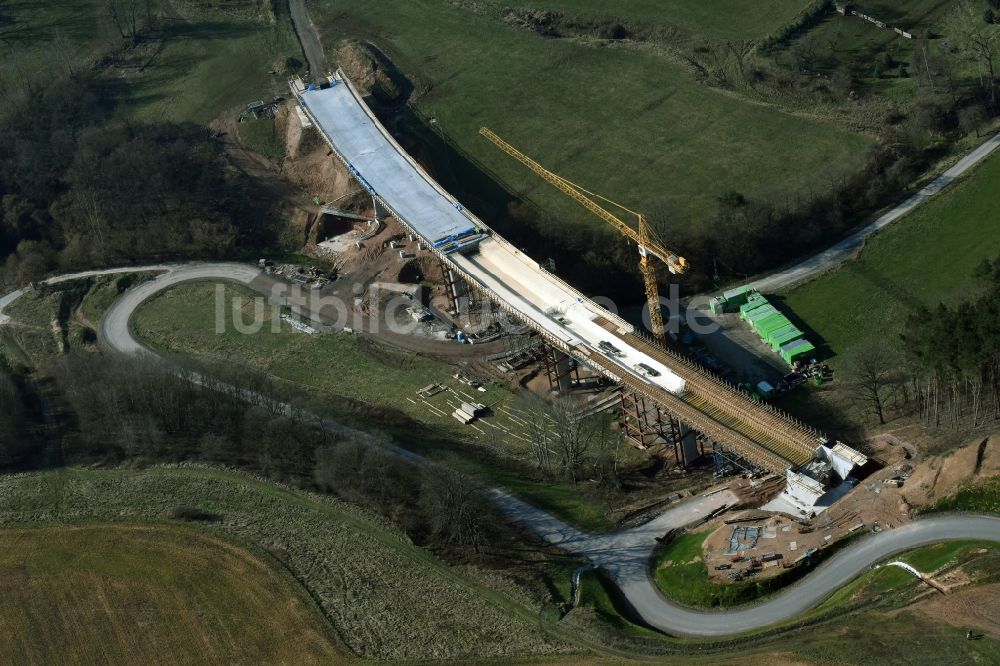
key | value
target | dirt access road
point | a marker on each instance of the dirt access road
(308, 38)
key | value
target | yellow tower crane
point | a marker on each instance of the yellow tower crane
(642, 236)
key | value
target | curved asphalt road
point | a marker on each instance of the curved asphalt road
(624, 555)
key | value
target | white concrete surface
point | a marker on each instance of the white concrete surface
(381, 167)
(550, 304)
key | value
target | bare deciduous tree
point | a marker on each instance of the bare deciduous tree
(456, 507)
(871, 373)
(741, 50)
(977, 42)
(130, 17)
(540, 429)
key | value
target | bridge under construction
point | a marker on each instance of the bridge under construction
(566, 319)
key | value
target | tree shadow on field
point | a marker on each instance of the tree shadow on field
(823, 349)
(207, 30)
(515, 216)
(892, 289)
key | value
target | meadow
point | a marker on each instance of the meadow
(739, 20)
(632, 124)
(196, 63)
(366, 383)
(151, 593)
(385, 598)
(926, 258)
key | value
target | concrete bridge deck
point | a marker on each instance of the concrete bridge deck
(566, 318)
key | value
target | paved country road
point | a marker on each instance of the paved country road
(623, 555)
(845, 249)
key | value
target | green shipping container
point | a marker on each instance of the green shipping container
(779, 341)
(758, 313)
(774, 325)
(752, 305)
(762, 326)
(717, 305)
(738, 296)
(769, 338)
(795, 351)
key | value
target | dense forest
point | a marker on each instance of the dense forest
(957, 353)
(117, 410)
(81, 187)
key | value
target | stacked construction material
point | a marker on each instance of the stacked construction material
(469, 412)
(775, 329)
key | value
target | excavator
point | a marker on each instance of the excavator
(642, 235)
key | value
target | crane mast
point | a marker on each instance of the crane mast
(642, 236)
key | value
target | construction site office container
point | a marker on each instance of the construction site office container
(738, 296)
(772, 324)
(794, 351)
(717, 305)
(749, 307)
(753, 300)
(755, 324)
(783, 336)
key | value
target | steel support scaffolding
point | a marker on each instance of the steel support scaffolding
(644, 424)
(726, 461)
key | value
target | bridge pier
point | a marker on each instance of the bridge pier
(560, 369)
(381, 212)
(454, 287)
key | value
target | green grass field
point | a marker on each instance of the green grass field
(197, 63)
(262, 136)
(40, 37)
(182, 320)
(926, 258)
(858, 45)
(625, 122)
(685, 579)
(386, 598)
(212, 62)
(133, 594)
